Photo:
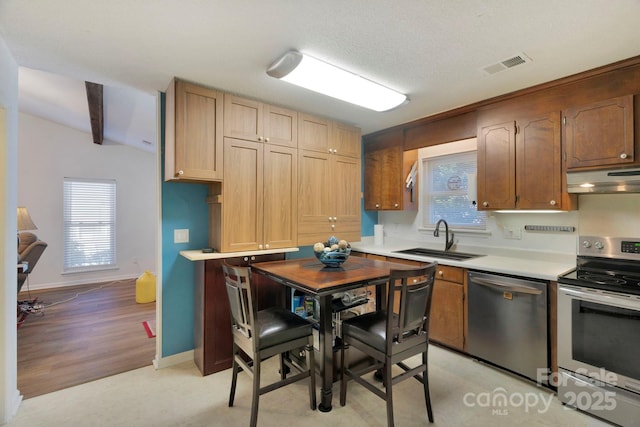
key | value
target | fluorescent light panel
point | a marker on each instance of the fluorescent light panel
(319, 76)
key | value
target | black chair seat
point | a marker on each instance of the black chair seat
(369, 328)
(276, 325)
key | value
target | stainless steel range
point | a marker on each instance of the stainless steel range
(599, 330)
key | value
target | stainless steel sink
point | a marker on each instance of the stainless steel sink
(434, 253)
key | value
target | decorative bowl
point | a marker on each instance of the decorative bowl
(333, 252)
(333, 258)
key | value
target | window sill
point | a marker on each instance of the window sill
(91, 269)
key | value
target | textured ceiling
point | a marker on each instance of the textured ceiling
(432, 50)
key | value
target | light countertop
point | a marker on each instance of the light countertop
(198, 255)
(532, 264)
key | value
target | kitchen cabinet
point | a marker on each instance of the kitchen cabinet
(386, 167)
(193, 133)
(328, 182)
(256, 206)
(326, 136)
(328, 197)
(447, 308)
(520, 165)
(600, 134)
(256, 121)
(212, 319)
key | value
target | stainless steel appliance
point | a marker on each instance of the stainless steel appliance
(508, 322)
(599, 330)
(604, 181)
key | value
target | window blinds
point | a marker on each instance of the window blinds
(89, 224)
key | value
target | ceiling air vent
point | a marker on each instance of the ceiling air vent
(505, 64)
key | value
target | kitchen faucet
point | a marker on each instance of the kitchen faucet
(447, 243)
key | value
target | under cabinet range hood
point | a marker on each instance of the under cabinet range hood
(604, 181)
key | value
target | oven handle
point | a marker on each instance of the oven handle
(601, 298)
(506, 286)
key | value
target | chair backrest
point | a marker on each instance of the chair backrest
(414, 288)
(243, 311)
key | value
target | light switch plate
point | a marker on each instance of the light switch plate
(181, 235)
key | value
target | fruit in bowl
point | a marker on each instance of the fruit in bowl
(333, 252)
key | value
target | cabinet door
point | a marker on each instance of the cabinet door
(446, 324)
(243, 118)
(314, 133)
(383, 181)
(242, 195)
(600, 134)
(346, 140)
(497, 166)
(538, 164)
(315, 188)
(280, 126)
(345, 197)
(280, 197)
(193, 147)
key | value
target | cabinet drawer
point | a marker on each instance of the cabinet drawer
(450, 274)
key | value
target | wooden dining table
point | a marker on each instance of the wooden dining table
(311, 277)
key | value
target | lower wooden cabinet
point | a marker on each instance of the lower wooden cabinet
(447, 308)
(213, 344)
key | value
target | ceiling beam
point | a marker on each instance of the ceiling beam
(96, 111)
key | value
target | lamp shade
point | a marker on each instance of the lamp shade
(319, 76)
(24, 220)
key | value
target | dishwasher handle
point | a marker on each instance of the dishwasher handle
(505, 286)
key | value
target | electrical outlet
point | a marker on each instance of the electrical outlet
(512, 233)
(181, 235)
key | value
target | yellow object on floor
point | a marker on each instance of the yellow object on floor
(146, 288)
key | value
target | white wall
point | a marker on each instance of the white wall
(9, 396)
(47, 153)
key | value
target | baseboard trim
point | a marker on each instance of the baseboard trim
(13, 407)
(95, 280)
(174, 359)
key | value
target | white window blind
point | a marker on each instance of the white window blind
(446, 191)
(89, 224)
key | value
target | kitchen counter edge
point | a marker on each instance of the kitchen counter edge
(198, 255)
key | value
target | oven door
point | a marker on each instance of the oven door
(599, 335)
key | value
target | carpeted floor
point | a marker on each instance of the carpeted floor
(180, 396)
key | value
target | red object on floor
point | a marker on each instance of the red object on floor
(147, 328)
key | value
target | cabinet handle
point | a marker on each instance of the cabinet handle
(335, 218)
(260, 138)
(395, 205)
(259, 246)
(329, 219)
(333, 226)
(485, 204)
(624, 155)
(266, 140)
(180, 173)
(266, 246)
(440, 273)
(377, 206)
(552, 203)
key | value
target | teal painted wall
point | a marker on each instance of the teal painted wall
(184, 206)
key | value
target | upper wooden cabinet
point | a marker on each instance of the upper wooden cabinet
(258, 206)
(600, 134)
(256, 121)
(520, 165)
(326, 136)
(328, 197)
(386, 166)
(193, 133)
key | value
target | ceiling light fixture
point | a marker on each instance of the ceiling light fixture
(319, 76)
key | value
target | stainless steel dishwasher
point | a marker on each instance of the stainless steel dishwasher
(508, 322)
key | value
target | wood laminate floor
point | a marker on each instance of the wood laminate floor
(97, 334)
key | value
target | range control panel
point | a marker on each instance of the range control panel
(609, 247)
(630, 247)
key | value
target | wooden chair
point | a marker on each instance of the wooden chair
(391, 337)
(259, 335)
